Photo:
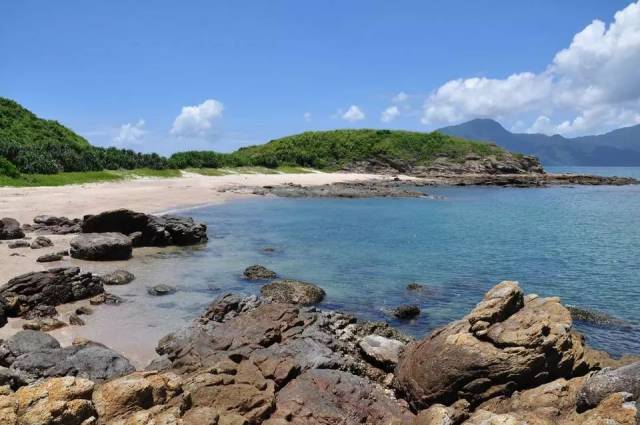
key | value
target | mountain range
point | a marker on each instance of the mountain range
(617, 148)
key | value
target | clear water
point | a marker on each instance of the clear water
(579, 243)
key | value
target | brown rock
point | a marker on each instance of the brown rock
(293, 292)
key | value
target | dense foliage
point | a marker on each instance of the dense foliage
(37, 146)
(7, 168)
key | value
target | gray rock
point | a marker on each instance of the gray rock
(293, 292)
(51, 225)
(75, 320)
(84, 310)
(101, 246)
(384, 351)
(118, 277)
(259, 272)
(159, 290)
(41, 242)
(10, 229)
(49, 258)
(105, 298)
(406, 312)
(21, 243)
(25, 342)
(603, 383)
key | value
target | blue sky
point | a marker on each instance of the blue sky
(121, 72)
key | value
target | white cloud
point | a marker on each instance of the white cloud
(130, 133)
(590, 86)
(197, 120)
(389, 114)
(307, 116)
(400, 97)
(354, 113)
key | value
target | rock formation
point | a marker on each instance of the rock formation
(101, 246)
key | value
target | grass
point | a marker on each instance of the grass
(82, 177)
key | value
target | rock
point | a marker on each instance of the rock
(41, 311)
(49, 258)
(148, 230)
(84, 310)
(49, 288)
(25, 342)
(293, 292)
(362, 189)
(51, 225)
(384, 351)
(438, 414)
(41, 242)
(332, 397)
(160, 290)
(20, 243)
(75, 320)
(105, 298)
(45, 324)
(91, 361)
(415, 286)
(118, 277)
(258, 272)
(101, 246)
(406, 312)
(593, 317)
(65, 400)
(10, 229)
(506, 343)
(139, 391)
(603, 383)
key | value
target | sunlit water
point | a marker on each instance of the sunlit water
(579, 243)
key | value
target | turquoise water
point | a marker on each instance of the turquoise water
(579, 243)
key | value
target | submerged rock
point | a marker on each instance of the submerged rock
(148, 230)
(593, 317)
(160, 290)
(101, 246)
(10, 229)
(406, 312)
(118, 277)
(259, 272)
(293, 292)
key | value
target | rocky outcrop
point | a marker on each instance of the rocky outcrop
(293, 292)
(101, 246)
(43, 290)
(508, 342)
(361, 189)
(147, 230)
(10, 229)
(258, 272)
(51, 225)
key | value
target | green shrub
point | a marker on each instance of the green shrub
(8, 169)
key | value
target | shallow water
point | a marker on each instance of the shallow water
(579, 243)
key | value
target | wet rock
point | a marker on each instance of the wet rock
(44, 324)
(259, 272)
(594, 317)
(330, 396)
(101, 246)
(41, 242)
(50, 288)
(49, 258)
(384, 351)
(118, 277)
(25, 342)
(20, 243)
(506, 343)
(293, 292)
(414, 286)
(105, 298)
(10, 229)
(154, 230)
(160, 290)
(606, 382)
(75, 320)
(406, 312)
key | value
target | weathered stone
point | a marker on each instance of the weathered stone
(10, 229)
(118, 277)
(44, 324)
(101, 246)
(259, 272)
(20, 243)
(51, 225)
(384, 351)
(105, 298)
(41, 242)
(49, 258)
(603, 383)
(25, 342)
(160, 290)
(293, 292)
(75, 320)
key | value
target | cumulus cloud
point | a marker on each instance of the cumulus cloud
(354, 113)
(307, 116)
(590, 86)
(389, 114)
(400, 97)
(130, 133)
(197, 120)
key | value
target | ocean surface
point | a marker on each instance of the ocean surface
(579, 243)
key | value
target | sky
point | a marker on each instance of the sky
(167, 76)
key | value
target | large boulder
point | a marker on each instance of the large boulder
(41, 290)
(508, 342)
(293, 292)
(603, 383)
(25, 342)
(10, 229)
(331, 397)
(101, 246)
(149, 230)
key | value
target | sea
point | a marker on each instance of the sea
(580, 243)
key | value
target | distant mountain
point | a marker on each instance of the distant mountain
(617, 148)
